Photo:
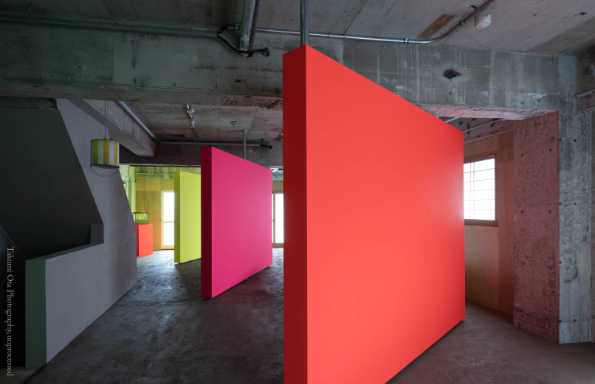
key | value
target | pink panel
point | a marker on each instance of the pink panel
(236, 220)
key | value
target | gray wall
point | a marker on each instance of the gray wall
(593, 229)
(74, 287)
(47, 205)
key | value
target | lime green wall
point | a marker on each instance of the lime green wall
(129, 179)
(187, 217)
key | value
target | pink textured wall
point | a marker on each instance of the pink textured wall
(536, 226)
(236, 220)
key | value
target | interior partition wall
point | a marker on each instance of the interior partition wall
(187, 216)
(374, 233)
(236, 220)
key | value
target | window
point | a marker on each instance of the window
(278, 220)
(167, 220)
(480, 190)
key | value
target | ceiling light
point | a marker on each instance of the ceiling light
(105, 153)
(482, 22)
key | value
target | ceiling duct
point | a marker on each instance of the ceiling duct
(248, 28)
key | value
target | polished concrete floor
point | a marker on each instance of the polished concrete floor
(162, 331)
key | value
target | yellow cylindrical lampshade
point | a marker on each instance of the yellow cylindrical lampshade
(105, 153)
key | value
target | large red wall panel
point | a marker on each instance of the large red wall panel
(374, 243)
(236, 220)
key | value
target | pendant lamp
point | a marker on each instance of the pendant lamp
(105, 153)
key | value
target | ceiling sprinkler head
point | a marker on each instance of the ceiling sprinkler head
(482, 22)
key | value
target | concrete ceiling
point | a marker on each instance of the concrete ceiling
(469, 124)
(529, 25)
(217, 119)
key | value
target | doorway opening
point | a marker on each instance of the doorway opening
(167, 221)
(278, 220)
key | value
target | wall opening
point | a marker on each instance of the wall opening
(168, 223)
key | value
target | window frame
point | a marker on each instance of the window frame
(480, 157)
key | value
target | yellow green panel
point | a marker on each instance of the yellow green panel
(187, 217)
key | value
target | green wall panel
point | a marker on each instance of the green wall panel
(187, 217)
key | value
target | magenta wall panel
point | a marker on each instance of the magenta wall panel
(236, 220)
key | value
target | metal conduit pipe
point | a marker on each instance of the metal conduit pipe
(110, 26)
(304, 26)
(254, 23)
(248, 27)
(245, 133)
(406, 40)
(133, 28)
(208, 144)
(135, 118)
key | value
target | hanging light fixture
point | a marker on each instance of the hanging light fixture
(105, 153)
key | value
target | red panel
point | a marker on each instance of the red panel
(236, 220)
(144, 239)
(374, 251)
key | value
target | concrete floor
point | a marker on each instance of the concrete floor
(162, 331)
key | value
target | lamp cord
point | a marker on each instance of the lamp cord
(105, 119)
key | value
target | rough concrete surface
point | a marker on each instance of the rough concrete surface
(162, 331)
(536, 226)
(575, 210)
(64, 62)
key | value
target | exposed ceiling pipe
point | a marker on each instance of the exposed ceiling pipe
(451, 119)
(135, 118)
(406, 40)
(245, 133)
(209, 144)
(134, 28)
(304, 26)
(220, 35)
(249, 21)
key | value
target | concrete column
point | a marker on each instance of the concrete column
(575, 209)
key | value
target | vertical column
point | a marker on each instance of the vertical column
(575, 210)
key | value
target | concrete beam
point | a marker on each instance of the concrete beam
(189, 155)
(585, 84)
(92, 64)
(120, 125)
(481, 113)
(487, 130)
(586, 102)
